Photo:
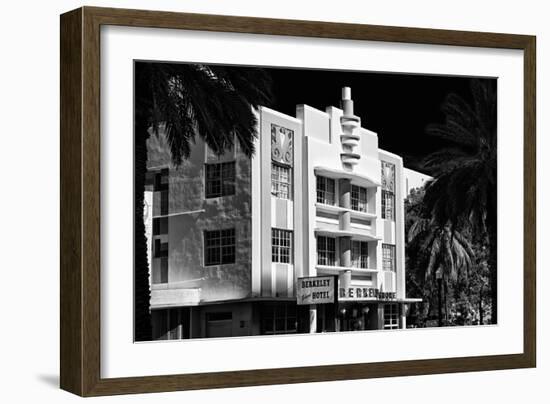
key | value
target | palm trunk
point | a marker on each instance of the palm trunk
(142, 314)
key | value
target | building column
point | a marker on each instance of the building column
(312, 318)
(344, 198)
(345, 280)
(403, 315)
(381, 316)
(345, 251)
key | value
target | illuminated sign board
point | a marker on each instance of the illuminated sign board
(316, 290)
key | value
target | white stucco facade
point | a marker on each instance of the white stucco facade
(318, 200)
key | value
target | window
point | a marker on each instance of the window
(326, 251)
(159, 179)
(161, 249)
(388, 189)
(281, 246)
(160, 186)
(325, 190)
(167, 324)
(219, 247)
(281, 181)
(388, 211)
(278, 318)
(388, 257)
(391, 316)
(220, 179)
(160, 225)
(359, 254)
(358, 198)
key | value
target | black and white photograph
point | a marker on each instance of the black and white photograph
(278, 201)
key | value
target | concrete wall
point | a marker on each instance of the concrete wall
(190, 214)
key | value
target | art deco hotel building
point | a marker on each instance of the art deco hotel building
(306, 236)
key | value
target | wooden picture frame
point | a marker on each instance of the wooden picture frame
(80, 200)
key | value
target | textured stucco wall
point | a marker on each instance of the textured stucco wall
(190, 214)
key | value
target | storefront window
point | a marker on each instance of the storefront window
(391, 316)
(278, 318)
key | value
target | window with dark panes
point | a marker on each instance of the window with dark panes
(391, 316)
(219, 247)
(278, 318)
(220, 179)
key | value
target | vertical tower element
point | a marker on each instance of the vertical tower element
(349, 123)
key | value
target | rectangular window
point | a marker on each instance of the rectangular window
(160, 225)
(220, 179)
(391, 316)
(161, 180)
(219, 247)
(281, 246)
(160, 270)
(359, 254)
(358, 198)
(388, 190)
(388, 202)
(281, 181)
(326, 251)
(278, 318)
(161, 249)
(388, 257)
(325, 190)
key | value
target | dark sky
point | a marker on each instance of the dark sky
(396, 106)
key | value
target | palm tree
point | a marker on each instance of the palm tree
(214, 103)
(445, 254)
(464, 189)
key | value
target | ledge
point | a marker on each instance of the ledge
(359, 179)
(338, 209)
(356, 234)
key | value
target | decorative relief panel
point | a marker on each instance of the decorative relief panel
(282, 144)
(388, 176)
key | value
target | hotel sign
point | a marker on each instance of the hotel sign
(365, 294)
(316, 290)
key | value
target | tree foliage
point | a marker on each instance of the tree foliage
(186, 102)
